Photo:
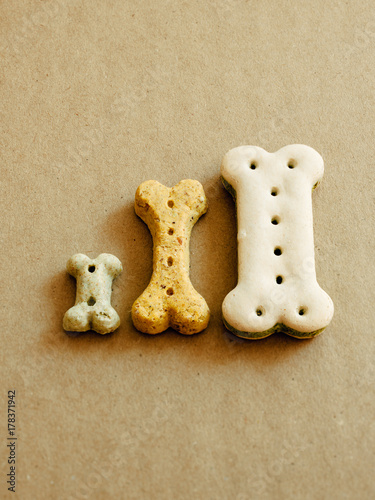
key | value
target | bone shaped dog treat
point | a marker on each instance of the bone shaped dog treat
(277, 288)
(92, 309)
(170, 299)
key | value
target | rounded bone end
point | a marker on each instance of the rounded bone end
(77, 263)
(191, 193)
(310, 317)
(105, 320)
(148, 193)
(152, 316)
(112, 264)
(76, 319)
(254, 318)
(192, 318)
(147, 318)
(102, 320)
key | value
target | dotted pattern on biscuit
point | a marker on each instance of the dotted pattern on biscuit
(170, 299)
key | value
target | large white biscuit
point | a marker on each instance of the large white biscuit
(277, 288)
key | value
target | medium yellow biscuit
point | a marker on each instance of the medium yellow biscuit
(170, 299)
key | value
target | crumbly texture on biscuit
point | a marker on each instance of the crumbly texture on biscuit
(92, 309)
(170, 298)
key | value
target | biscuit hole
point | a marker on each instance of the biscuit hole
(275, 220)
(279, 280)
(91, 301)
(277, 251)
(260, 311)
(302, 311)
(291, 163)
(253, 165)
(170, 261)
(170, 231)
(170, 291)
(91, 269)
(170, 203)
(274, 191)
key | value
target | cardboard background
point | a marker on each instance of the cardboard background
(98, 96)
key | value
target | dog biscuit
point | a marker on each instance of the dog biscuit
(170, 298)
(92, 309)
(277, 288)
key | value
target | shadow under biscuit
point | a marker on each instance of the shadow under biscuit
(54, 343)
(214, 247)
(213, 261)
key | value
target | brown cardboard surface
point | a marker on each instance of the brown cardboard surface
(98, 96)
